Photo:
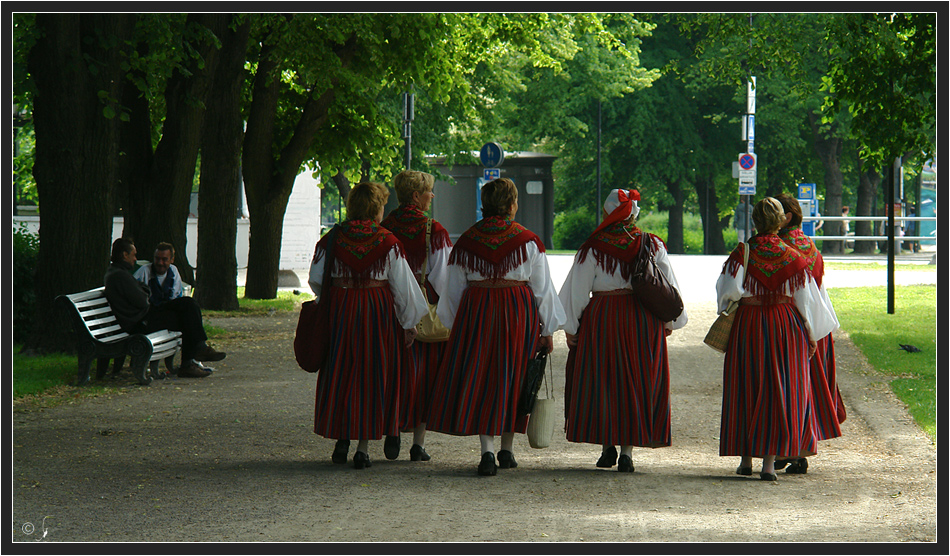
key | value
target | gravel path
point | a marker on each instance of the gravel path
(233, 457)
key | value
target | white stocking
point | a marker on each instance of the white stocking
(488, 443)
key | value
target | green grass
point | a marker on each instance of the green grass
(841, 265)
(35, 375)
(286, 301)
(863, 314)
(48, 379)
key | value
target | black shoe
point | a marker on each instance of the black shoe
(418, 453)
(747, 471)
(208, 353)
(608, 458)
(506, 460)
(487, 467)
(625, 465)
(391, 447)
(781, 463)
(361, 460)
(767, 477)
(797, 467)
(340, 451)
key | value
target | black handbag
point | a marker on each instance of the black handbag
(656, 293)
(531, 383)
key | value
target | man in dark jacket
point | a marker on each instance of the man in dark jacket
(129, 301)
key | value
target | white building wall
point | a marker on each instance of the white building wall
(300, 235)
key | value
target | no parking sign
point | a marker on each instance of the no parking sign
(747, 173)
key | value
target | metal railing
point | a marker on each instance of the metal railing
(882, 237)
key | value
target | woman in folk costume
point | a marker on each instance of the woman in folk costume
(766, 399)
(375, 304)
(501, 305)
(828, 407)
(409, 223)
(617, 390)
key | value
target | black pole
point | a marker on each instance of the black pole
(600, 203)
(889, 196)
(706, 221)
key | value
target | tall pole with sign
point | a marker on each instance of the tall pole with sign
(748, 162)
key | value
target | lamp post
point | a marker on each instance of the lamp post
(408, 109)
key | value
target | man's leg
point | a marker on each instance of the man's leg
(184, 315)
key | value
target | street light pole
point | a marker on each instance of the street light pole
(408, 109)
(597, 209)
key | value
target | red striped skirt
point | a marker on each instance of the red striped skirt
(358, 391)
(828, 406)
(766, 397)
(426, 357)
(494, 334)
(617, 388)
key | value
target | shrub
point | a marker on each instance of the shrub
(572, 228)
(25, 250)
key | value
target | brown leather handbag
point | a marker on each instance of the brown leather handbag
(656, 293)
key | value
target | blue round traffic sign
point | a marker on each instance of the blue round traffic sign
(747, 161)
(492, 155)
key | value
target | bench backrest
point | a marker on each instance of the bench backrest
(96, 314)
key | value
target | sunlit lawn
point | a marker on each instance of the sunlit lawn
(863, 314)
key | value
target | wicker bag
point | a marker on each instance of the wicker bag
(430, 328)
(718, 335)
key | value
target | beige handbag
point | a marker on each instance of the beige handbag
(718, 335)
(541, 423)
(430, 328)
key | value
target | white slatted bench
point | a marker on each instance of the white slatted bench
(99, 336)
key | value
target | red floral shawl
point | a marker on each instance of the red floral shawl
(408, 222)
(616, 246)
(772, 264)
(493, 247)
(361, 249)
(795, 237)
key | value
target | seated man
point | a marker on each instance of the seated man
(130, 303)
(161, 276)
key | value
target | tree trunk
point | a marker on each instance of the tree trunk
(870, 181)
(713, 226)
(269, 175)
(343, 186)
(266, 233)
(76, 157)
(674, 227)
(829, 149)
(160, 191)
(221, 176)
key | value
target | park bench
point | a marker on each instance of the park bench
(99, 336)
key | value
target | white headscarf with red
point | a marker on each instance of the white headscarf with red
(620, 205)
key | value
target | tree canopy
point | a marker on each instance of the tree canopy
(120, 109)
